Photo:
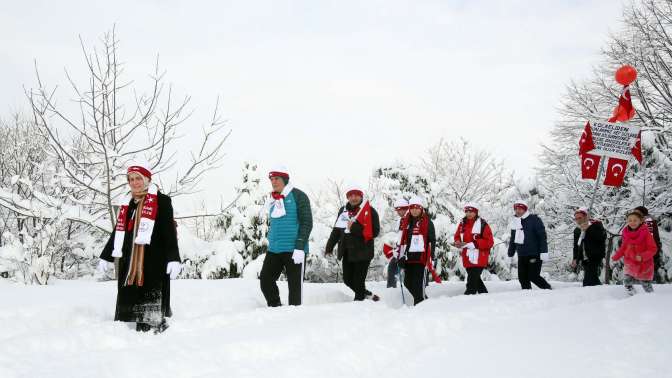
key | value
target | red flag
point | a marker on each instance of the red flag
(615, 172)
(388, 251)
(365, 218)
(590, 165)
(624, 111)
(637, 149)
(586, 143)
(430, 266)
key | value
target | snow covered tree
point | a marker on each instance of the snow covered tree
(38, 213)
(115, 124)
(449, 175)
(64, 170)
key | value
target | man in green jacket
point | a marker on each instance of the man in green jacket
(291, 221)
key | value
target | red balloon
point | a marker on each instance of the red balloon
(626, 74)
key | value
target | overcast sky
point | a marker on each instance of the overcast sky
(332, 88)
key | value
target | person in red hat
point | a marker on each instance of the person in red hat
(145, 242)
(528, 240)
(474, 236)
(589, 249)
(355, 247)
(290, 224)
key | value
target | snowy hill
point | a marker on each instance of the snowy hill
(221, 328)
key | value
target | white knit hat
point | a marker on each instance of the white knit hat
(401, 202)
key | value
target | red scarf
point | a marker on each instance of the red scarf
(421, 227)
(635, 237)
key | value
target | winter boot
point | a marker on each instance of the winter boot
(630, 290)
(161, 327)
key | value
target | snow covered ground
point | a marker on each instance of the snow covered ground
(223, 329)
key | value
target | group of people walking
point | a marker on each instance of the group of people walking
(145, 244)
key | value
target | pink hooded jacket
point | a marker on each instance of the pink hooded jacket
(637, 242)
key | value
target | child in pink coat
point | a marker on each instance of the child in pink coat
(638, 249)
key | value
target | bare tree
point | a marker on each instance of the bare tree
(115, 124)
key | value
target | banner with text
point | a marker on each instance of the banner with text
(614, 139)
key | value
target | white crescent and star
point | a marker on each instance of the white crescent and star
(620, 169)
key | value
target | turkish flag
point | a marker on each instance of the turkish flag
(388, 250)
(586, 143)
(365, 218)
(590, 165)
(624, 111)
(615, 172)
(637, 149)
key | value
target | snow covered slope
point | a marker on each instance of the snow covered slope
(222, 329)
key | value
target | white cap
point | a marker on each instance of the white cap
(353, 187)
(417, 201)
(401, 202)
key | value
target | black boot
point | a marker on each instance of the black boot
(142, 327)
(161, 327)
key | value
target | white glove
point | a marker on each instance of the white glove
(298, 256)
(174, 268)
(470, 245)
(544, 256)
(104, 266)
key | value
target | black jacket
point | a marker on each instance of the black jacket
(593, 245)
(143, 304)
(352, 244)
(535, 238)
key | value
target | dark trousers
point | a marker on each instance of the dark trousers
(529, 272)
(354, 277)
(414, 280)
(392, 270)
(274, 263)
(475, 284)
(591, 273)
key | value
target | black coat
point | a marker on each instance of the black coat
(151, 302)
(593, 246)
(352, 244)
(535, 238)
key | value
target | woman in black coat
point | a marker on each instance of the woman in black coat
(145, 241)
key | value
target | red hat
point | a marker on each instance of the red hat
(471, 207)
(140, 168)
(354, 189)
(581, 210)
(279, 171)
(520, 205)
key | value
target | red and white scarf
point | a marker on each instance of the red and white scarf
(276, 202)
(147, 218)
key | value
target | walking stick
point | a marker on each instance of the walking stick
(401, 285)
